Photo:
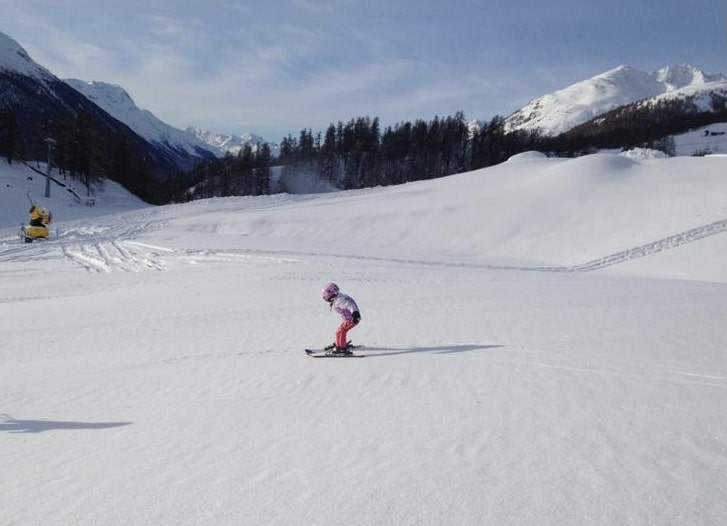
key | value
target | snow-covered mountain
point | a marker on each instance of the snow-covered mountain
(14, 59)
(232, 144)
(119, 104)
(116, 101)
(564, 109)
(39, 102)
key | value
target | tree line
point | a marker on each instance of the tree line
(246, 173)
(73, 150)
(81, 152)
(359, 154)
(355, 154)
(642, 124)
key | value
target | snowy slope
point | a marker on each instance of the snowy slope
(20, 185)
(564, 109)
(708, 139)
(544, 345)
(117, 102)
(36, 95)
(15, 59)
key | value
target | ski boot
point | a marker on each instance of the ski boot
(342, 350)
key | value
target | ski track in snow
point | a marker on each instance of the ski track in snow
(107, 249)
(666, 243)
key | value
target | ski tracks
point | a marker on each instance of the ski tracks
(100, 249)
(656, 246)
(112, 248)
(647, 249)
(126, 256)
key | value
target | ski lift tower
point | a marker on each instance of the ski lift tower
(51, 143)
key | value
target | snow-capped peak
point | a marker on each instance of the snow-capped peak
(118, 103)
(232, 144)
(564, 109)
(677, 77)
(107, 96)
(14, 59)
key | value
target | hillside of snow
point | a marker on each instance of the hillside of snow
(543, 342)
(14, 58)
(708, 139)
(119, 104)
(557, 112)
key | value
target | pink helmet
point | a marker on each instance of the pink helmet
(329, 292)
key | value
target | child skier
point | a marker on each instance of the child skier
(347, 308)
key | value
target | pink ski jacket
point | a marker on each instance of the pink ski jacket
(346, 306)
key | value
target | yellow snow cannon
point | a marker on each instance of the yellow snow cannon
(40, 218)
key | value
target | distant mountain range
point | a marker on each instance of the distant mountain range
(42, 97)
(232, 144)
(117, 102)
(569, 107)
(35, 105)
(550, 114)
(179, 147)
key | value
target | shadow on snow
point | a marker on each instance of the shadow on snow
(439, 349)
(11, 425)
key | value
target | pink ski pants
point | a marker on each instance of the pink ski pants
(343, 329)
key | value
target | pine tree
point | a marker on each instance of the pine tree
(8, 133)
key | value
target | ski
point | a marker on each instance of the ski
(328, 354)
(313, 353)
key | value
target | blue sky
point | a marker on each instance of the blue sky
(274, 67)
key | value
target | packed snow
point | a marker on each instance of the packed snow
(544, 344)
